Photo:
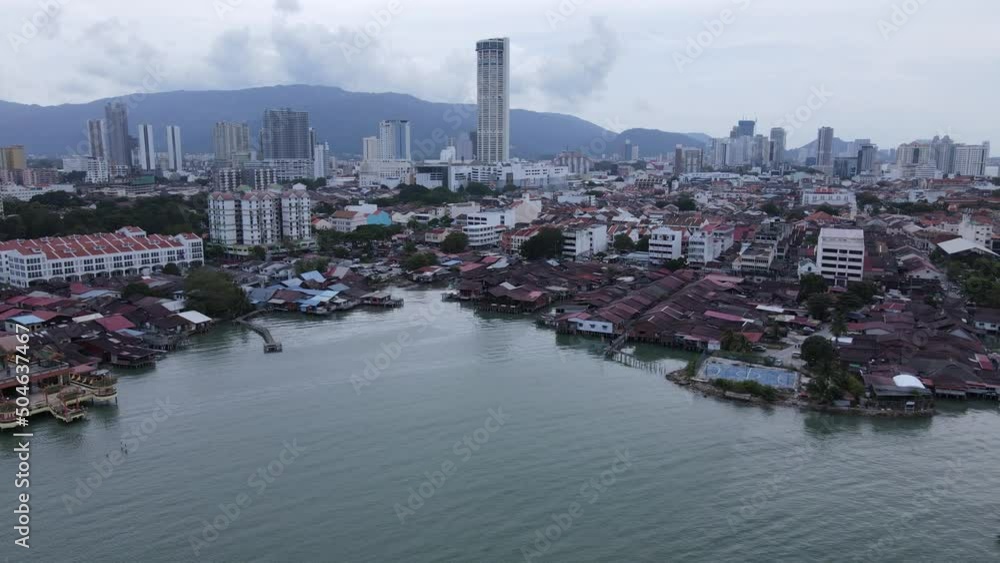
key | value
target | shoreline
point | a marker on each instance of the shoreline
(706, 389)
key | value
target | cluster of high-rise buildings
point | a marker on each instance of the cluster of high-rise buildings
(744, 147)
(115, 153)
(941, 156)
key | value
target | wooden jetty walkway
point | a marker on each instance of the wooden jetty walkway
(270, 344)
(632, 361)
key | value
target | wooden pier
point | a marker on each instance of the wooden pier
(632, 361)
(270, 344)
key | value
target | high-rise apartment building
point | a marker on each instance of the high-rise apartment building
(285, 135)
(394, 139)
(970, 160)
(777, 146)
(230, 139)
(369, 148)
(147, 148)
(175, 153)
(841, 255)
(745, 128)
(13, 158)
(97, 136)
(688, 160)
(119, 145)
(867, 156)
(259, 218)
(824, 148)
(493, 98)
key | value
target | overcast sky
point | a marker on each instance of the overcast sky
(891, 70)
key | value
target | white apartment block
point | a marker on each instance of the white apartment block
(832, 197)
(584, 241)
(347, 221)
(259, 218)
(755, 259)
(25, 193)
(970, 160)
(128, 251)
(840, 255)
(486, 227)
(391, 173)
(288, 169)
(665, 244)
(708, 243)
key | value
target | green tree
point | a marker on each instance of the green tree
(624, 244)
(839, 324)
(259, 253)
(214, 293)
(171, 269)
(547, 243)
(736, 342)
(811, 284)
(318, 264)
(686, 203)
(817, 351)
(454, 243)
(819, 306)
(642, 245)
(419, 260)
(676, 264)
(771, 209)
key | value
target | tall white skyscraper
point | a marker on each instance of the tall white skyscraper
(493, 98)
(970, 160)
(147, 148)
(394, 139)
(97, 133)
(175, 154)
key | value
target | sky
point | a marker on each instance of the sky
(890, 70)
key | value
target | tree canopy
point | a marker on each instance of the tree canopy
(455, 242)
(547, 243)
(215, 294)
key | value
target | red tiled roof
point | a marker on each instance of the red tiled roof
(114, 323)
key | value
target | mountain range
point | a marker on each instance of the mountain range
(340, 118)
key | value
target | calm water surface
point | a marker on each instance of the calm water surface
(470, 438)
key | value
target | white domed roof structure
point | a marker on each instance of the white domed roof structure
(907, 380)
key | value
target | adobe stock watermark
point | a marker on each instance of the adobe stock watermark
(42, 19)
(703, 40)
(224, 7)
(565, 10)
(590, 492)
(257, 483)
(132, 441)
(463, 451)
(817, 99)
(900, 16)
(369, 32)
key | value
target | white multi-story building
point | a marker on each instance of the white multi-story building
(128, 251)
(832, 197)
(584, 241)
(369, 148)
(288, 169)
(708, 243)
(296, 215)
(25, 193)
(755, 259)
(394, 139)
(521, 174)
(970, 160)
(840, 255)
(319, 161)
(486, 227)
(665, 244)
(259, 218)
(390, 173)
(347, 221)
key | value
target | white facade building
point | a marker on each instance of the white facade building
(584, 241)
(128, 251)
(832, 197)
(840, 255)
(486, 227)
(259, 218)
(390, 173)
(665, 244)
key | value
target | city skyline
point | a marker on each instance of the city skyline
(579, 60)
